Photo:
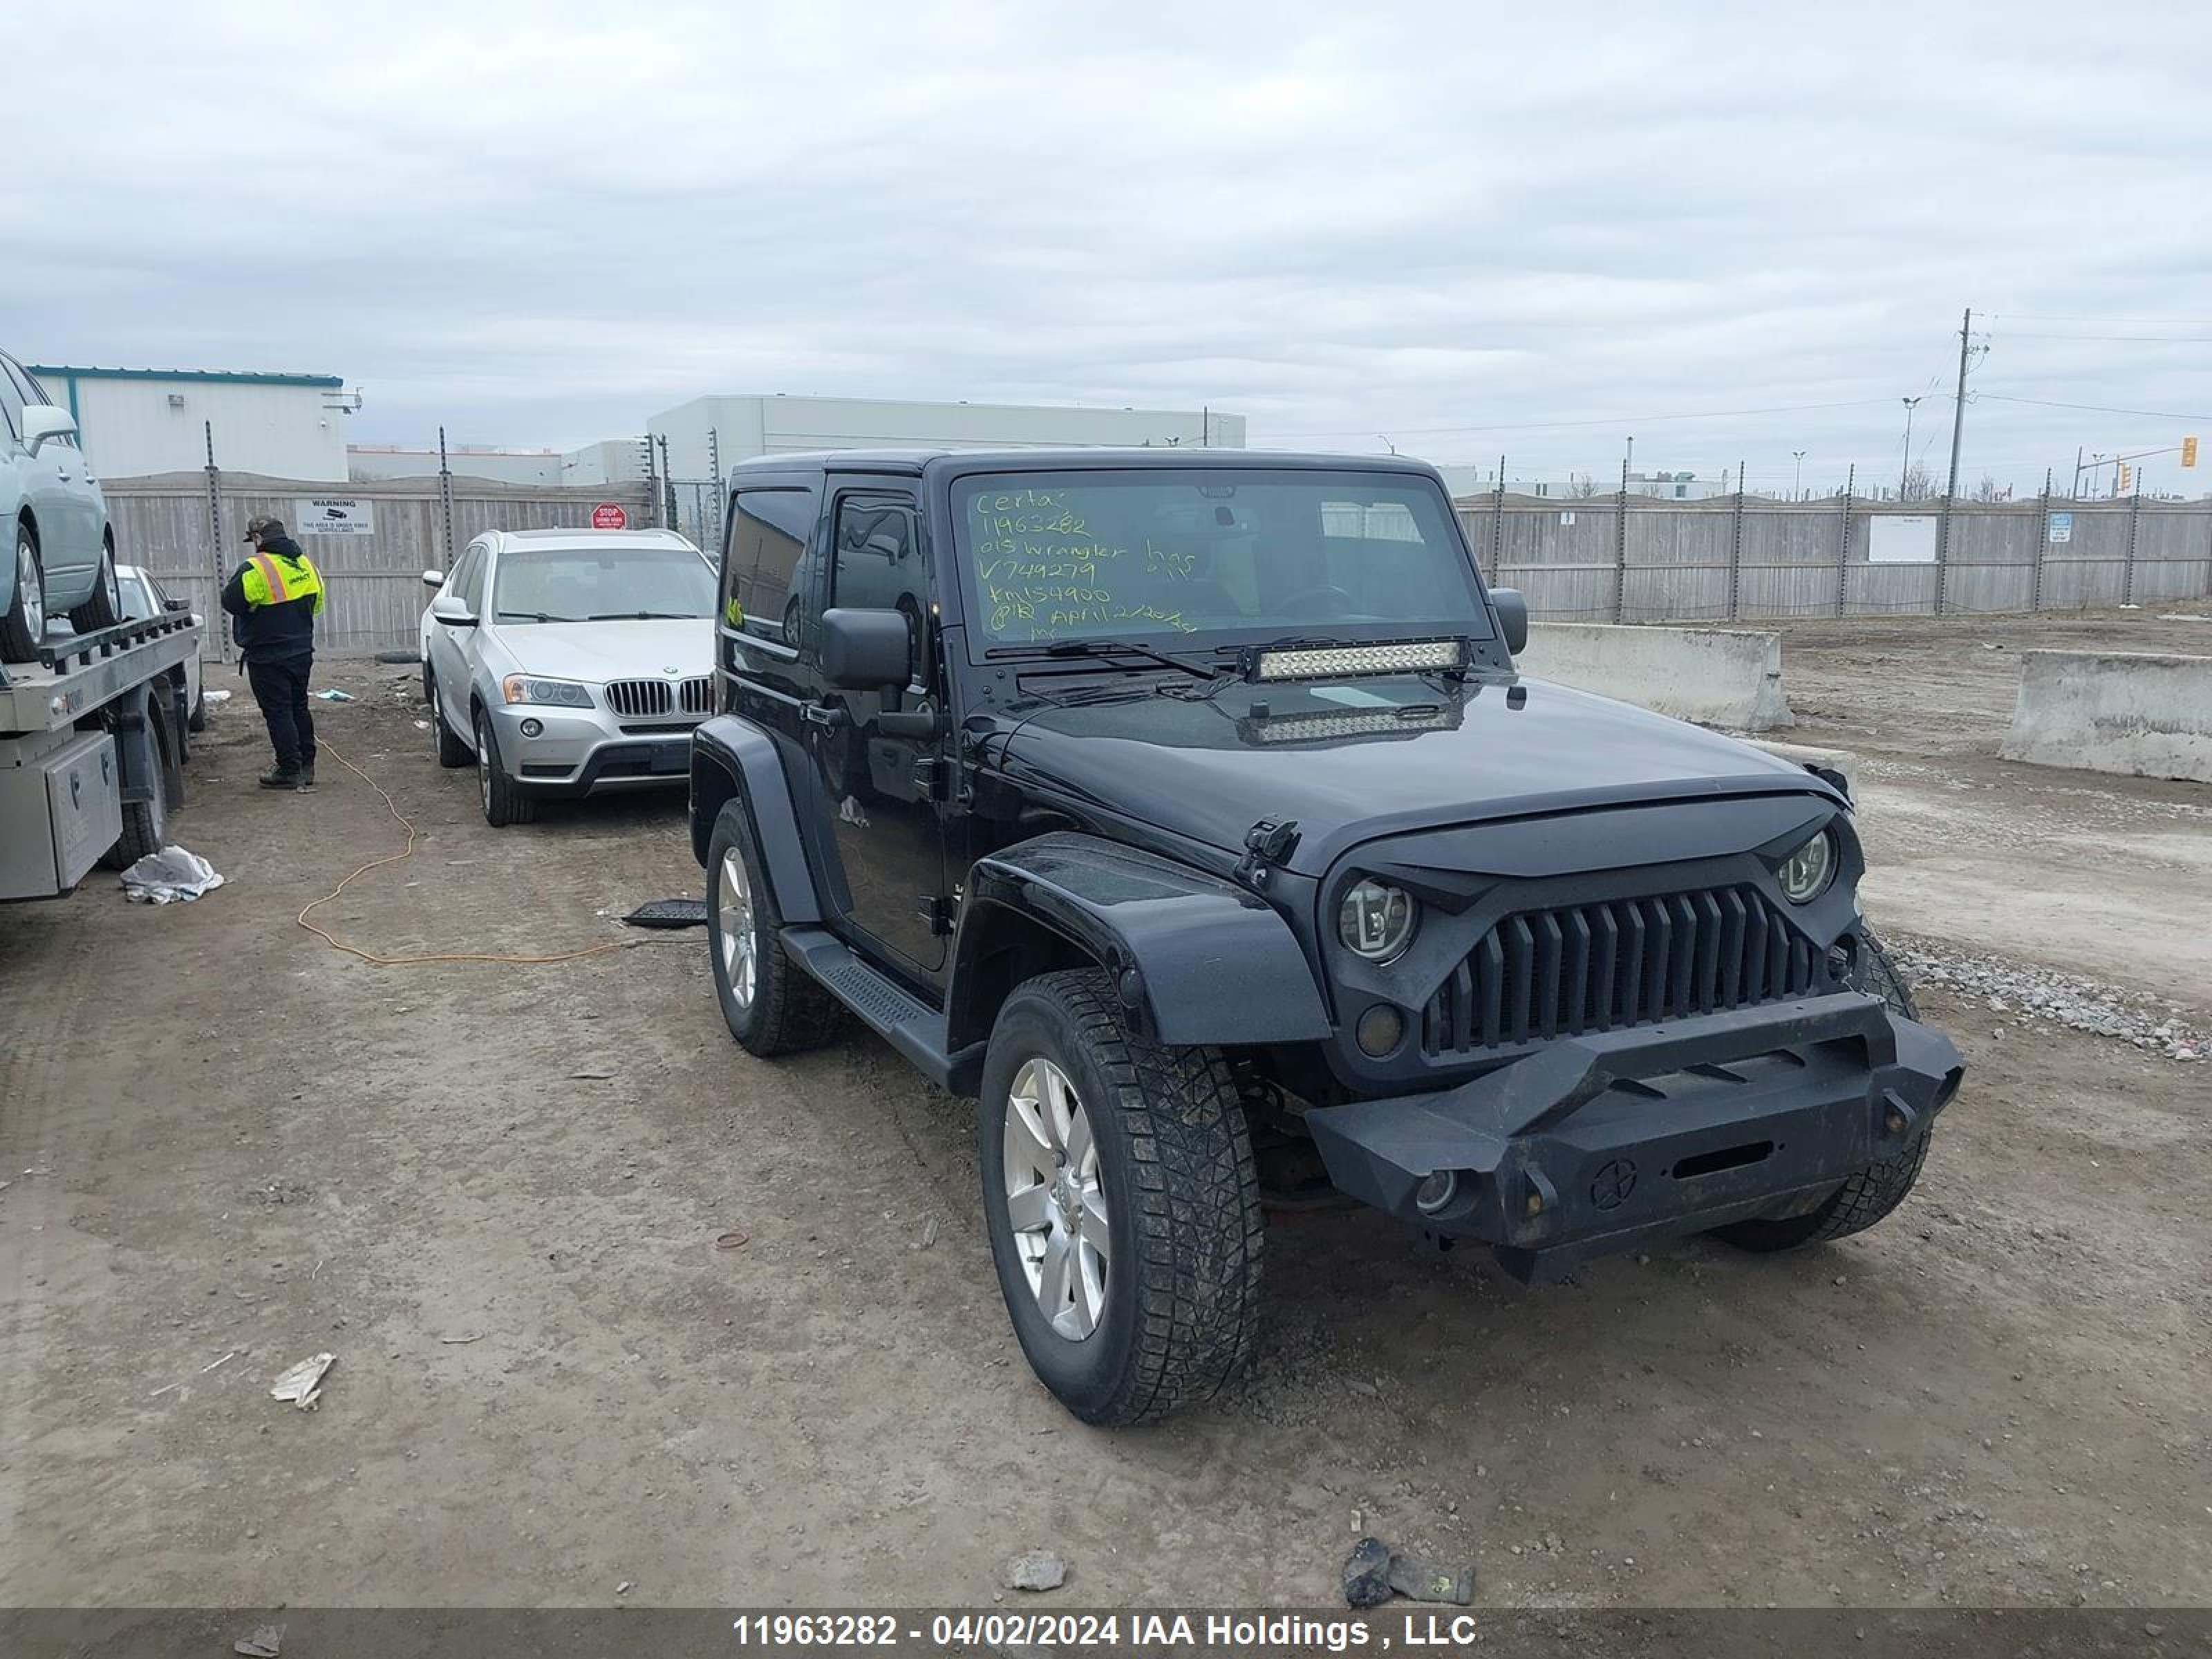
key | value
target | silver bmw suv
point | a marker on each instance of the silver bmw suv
(568, 661)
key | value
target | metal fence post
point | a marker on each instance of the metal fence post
(715, 470)
(2042, 545)
(1620, 549)
(446, 496)
(667, 483)
(2135, 519)
(1497, 523)
(1844, 544)
(214, 528)
(1943, 552)
(1736, 549)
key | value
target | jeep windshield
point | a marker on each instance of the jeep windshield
(1190, 558)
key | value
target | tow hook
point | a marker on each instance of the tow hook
(1266, 842)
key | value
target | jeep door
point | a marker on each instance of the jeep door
(879, 788)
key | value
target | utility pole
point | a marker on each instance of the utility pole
(1904, 468)
(1951, 488)
(1797, 485)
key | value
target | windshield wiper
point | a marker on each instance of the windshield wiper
(1104, 648)
(534, 615)
(645, 616)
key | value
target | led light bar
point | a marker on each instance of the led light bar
(1328, 662)
(1306, 728)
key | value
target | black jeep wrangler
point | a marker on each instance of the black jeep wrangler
(1185, 807)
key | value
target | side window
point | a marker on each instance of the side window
(11, 402)
(765, 572)
(878, 566)
(469, 581)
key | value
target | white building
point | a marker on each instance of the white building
(1464, 481)
(133, 422)
(743, 426)
(518, 466)
(612, 460)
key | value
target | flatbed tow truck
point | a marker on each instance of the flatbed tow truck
(93, 745)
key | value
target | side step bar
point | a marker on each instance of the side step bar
(887, 1008)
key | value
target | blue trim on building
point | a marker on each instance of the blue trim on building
(63, 371)
(71, 378)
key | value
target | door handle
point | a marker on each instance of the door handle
(828, 715)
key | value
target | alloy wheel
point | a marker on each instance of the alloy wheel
(1056, 1199)
(28, 585)
(483, 764)
(740, 946)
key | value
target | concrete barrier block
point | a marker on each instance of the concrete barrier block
(2145, 715)
(1715, 675)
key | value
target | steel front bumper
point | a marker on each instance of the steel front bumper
(1597, 1143)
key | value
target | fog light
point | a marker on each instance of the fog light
(1437, 1192)
(1380, 1029)
(533, 728)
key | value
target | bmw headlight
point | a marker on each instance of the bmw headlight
(562, 693)
(1807, 873)
(1374, 920)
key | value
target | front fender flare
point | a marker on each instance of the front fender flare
(1197, 959)
(732, 758)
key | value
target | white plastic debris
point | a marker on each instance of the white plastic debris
(335, 696)
(266, 1643)
(303, 1384)
(214, 696)
(171, 874)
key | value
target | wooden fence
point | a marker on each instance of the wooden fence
(187, 527)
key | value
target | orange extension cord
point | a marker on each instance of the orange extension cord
(376, 961)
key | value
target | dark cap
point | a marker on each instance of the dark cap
(263, 526)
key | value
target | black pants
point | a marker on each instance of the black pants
(280, 688)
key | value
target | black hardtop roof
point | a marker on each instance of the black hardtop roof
(1073, 459)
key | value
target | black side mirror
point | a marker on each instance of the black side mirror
(864, 650)
(1512, 617)
(176, 604)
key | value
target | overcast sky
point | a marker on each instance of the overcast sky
(1537, 229)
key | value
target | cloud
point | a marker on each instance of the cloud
(1465, 224)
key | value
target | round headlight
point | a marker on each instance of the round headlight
(1374, 920)
(1807, 873)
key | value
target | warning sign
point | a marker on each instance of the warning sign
(334, 515)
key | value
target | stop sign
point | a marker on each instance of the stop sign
(610, 515)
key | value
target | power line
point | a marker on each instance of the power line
(2162, 339)
(2100, 409)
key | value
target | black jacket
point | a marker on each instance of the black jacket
(270, 633)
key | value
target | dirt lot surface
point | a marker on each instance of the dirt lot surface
(495, 1193)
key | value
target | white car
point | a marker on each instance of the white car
(60, 550)
(568, 661)
(144, 596)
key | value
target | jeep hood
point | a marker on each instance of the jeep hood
(1356, 759)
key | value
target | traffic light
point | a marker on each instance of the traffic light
(2189, 452)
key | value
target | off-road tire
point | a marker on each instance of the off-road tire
(1183, 1278)
(1875, 971)
(17, 643)
(792, 1010)
(453, 753)
(1879, 1187)
(103, 609)
(504, 802)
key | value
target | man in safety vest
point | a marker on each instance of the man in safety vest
(275, 595)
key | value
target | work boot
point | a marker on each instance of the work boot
(307, 775)
(283, 777)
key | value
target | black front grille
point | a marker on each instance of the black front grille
(1578, 968)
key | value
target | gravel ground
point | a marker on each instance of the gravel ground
(614, 1304)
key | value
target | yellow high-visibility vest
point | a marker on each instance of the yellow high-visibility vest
(270, 580)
